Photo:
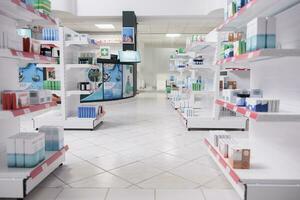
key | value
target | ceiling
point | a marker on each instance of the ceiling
(151, 30)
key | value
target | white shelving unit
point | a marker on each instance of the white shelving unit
(18, 182)
(273, 137)
(209, 116)
(70, 95)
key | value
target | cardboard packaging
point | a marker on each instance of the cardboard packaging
(54, 137)
(239, 158)
(256, 34)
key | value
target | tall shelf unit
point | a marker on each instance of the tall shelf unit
(273, 137)
(66, 116)
(207, 114)
(18, 182)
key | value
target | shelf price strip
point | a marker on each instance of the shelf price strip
(32, 10)
(33, 108)
(242, 57)
(34, 173)
(222, 161)
(241, 110)
(236, 15)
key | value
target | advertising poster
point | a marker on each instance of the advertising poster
(128, 35)
(94, 75)
(127, 81)
(31, 77)
(112, 77)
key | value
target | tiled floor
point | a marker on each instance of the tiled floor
(141, 152)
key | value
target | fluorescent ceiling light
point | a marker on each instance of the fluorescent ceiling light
(172, 35)
(105, 26)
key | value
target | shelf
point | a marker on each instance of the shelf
(255, 8)
(203, 92)
(260, 55)
(199, 46)
(78, 92)
(19, 11)
(25, 56)
(50, 42)
(24, 111)
(18, 182)
(80, 66)
(260, 116)
(56, 66)
(84, 44)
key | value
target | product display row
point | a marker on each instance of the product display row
(89, 111)
(261, 34)
(233, 6)
(14, 100)
(26, 150)
(237, 154)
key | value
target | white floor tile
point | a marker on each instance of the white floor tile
(164, 161)
(127, 194)
(136, 172)
(219, 182)
(82, 194)
(179, 195)
(76, 171)
(196, 173)
(105, 180)
(52, 182)
(216, 194)
(113, 161)
(44, 193)
(167, 181)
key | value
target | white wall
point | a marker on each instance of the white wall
(155, 61)
(141, 7)
(65, 5)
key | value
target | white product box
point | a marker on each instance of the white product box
(20, 159)
(230, 95)
(256, 34)
(217, 135)
(11, 151)
(271, 32)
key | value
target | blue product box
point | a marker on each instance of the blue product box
(31, 160)
(271, 41)
(258, 42)
(11, 160)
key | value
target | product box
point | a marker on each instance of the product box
(224, 146)
(216, 136)
(230, 95)
(13, 100)
(271, 32)
(40, 96)
(20, 158)
(11, 151)
(256, 34)
(31, 150)
(239, 158)
(54, 137)
(88, 111)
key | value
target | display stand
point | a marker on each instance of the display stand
(273, 137)
(208, 116)
(71, 73)
(18, 182)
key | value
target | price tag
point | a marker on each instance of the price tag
(23, 5)
(27, 110)
(235, 108)
(248, 113)
(47, 105)
(227, 169)
(233, 59)
(225, 105)
(250, 55)
(19, 54)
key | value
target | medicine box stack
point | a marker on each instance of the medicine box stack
(239, 157)
(216, 136)
(25, 150)
(224, 146)
(88, 111)
(40, 96)
(50, 34)
(44, 6)
(233, 6)
(263, 105)
(51, 85)
(261, 33)
(14, 100)
(54, 137)
(189, 112)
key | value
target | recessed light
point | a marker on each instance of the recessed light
(105, 26)
(173, 35)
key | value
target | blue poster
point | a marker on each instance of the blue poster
(112, 77)
(31, 77)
